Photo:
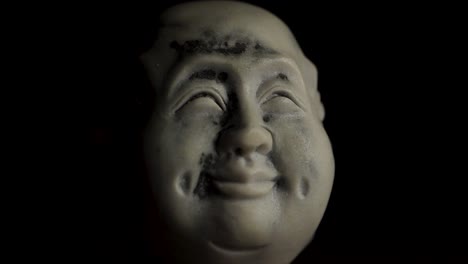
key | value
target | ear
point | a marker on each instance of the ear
(310, 76)
(320, 107)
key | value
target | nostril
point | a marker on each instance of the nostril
(238, 151)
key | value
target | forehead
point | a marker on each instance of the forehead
(228, 27)
(231, 18)
(232, 31)
(239, 41)
(232, 52)
(176, 46)
(233, 43)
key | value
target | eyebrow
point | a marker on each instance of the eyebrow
(203, 74)
(191, 69)
(221, 77)
(209, 74)
(286, 72)
(281, 77)
(204, 70)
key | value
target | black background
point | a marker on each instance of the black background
(389, 76)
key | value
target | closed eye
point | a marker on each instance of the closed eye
(202, 94)
(281, 94)
(276, 94)
(216, 99)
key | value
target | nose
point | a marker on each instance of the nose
(245, 139)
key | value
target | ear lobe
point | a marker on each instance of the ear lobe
(312, 79)
(320, 108)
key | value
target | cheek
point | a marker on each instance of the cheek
(193, 135)
(175, 146)
(175, 154)
(303, 157)
(303, 154)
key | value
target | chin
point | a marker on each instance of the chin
(210, 252)
(271, 228)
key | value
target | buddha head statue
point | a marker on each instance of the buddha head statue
(238, 161)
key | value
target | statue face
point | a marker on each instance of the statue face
(238, 159)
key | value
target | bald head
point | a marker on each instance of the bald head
(230, 20)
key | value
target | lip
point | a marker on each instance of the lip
(241, 176)
(244, 190)
(237, 179)
(242, 184)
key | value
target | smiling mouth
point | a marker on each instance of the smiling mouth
(237, 189)
(243, 190)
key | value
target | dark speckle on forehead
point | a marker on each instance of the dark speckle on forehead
(209, 46)
(227, 44)
(260, 50)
